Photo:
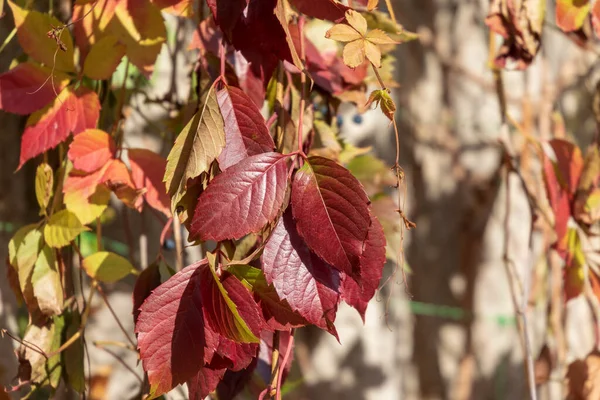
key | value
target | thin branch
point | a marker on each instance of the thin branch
(120, 360)
(101, 291)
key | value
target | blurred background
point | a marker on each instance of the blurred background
(451, 330)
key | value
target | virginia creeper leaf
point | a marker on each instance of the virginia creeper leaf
(229, 308)
(196, 147)
(233, 382)
(87, 209)
(171, 328)
(103, 58)
(331, 210)
(227, 13)
(71, 112)
(23, 251)
(46, 282)
(571, 14)
(107, 267)
(148, 280)
(44, 185)
(147, 171)
(323, 9)
(242, 199)
(372, 262)
(62, 228)
(309, 285)
(204, 382)
(91, 150)
(26, 88)
(92, 23)
(245, 131)
(32, 32)
(139, 25)
(48, 338)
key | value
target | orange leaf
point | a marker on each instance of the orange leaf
(91, 28)
(148, 169)
(571, 14)
(71, 112)
(357, 21)
(91, 150)
(354, 53)
(373, 53)
(32, 31)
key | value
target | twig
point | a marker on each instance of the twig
(8, 39)
(115, 315)
(120, 360)
(178, 244)
(22, 342)
(288, 351)
(275, 361)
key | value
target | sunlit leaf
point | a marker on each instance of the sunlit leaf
(147, 171)
(44, 185)
(357, 21)
(103, 58)
(72, 112)
(62, 228)
(26, 88)
(107, 267)
(91, 150)
(571, 14)
(32, 31)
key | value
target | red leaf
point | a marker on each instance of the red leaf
(331, 210)
(245, 131)
(571, 14)
(71, 112)
(91, 150)
(114, 174)
(227, 13)
(323, 9)
(309, 285)
(234, 382)
(372, 262)
(277, 313)
(148, 280)
(569, 164)
(171, 330)
(242, 199)
(147, 170)
(26, 88)
(234, 356)
(204, 382)
(218, 311)
(251, 81)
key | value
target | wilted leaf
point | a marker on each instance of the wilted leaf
(382, 98)
(107, 267)
(47, 338)
(584, 378)
(520, 23)
(71, 112)
(103, 58)
(310, 286)
(196, 147)
(147, 171)
(44, 185)
(331, 210)
(26, 88)
(62, 228)
(46, 282)
(91, 150)
(242, 199)
(32, 31)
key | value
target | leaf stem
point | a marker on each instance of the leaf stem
(8, 39)
(302, 83)
(178, 243)
(275, 361)
(222, 55)
(288, 351)
(388, 4)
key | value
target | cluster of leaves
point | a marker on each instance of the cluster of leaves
(520, 23)
(294, 230)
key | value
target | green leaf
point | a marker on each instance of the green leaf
(246, 335)
(72, 357)
(196, 147)
(23, 251)
(62, 228)
(47, 286)
(252, 278)
(106, 266)
(44, 183)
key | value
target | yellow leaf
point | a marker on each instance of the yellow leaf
(44, 182)
(62, 228)
(378, 36)
(32, 32)
(88, 209)
(357, 21)
(103, 58)
(354, 53)
(342, 33)
(372, 4)
(106, 266)
(47, 287)
(23, 250)
(373, 53)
